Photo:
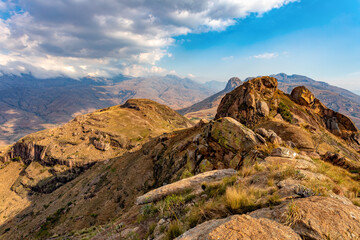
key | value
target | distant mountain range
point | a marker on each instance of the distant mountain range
(338, 99)
(29, 104)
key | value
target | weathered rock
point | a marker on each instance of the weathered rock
(263, 132)
(301, 95)
(102, 143)
(188, 183)
(317, 217)
(341, 161)
(240, 227)
(260, 138)
(249, 102)
(263, 108)
(232, 134)
(283, 152)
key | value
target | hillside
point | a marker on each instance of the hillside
(336, 98)
(269, 164)
(29, 104)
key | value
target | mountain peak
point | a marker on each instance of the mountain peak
(233, 83)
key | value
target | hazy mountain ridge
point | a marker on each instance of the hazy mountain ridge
(29, 104)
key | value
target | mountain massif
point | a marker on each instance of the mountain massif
(29, 104)
(270, 165)
(336, 98)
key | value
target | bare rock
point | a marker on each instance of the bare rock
(283, 152)
(188, 183)
(240, 227)
(102, 143)
(263, 108)
(249, 102)
(301, 95)
(263, 132)
(317, 217)
(232, 134)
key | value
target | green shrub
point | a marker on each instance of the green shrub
(285, 113)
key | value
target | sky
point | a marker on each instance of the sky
(200, 39)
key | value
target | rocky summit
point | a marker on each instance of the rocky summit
(270, 165)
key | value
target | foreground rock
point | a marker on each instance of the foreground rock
(185, 184)
(240, 227)
(317, 217)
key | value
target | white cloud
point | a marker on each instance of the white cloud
(77, 38)
(266, 56)
(227, 58)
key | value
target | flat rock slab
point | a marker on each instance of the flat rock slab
(182, 185)
(240, 227)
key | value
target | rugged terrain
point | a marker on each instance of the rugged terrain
(29, 104)
(336, 98)
(270, 164)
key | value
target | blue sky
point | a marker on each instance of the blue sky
(317, 38)
(204, 40)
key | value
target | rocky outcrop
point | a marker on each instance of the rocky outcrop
(193, 183)
(335, 122)
(240, 227)
(341, 161)
(316, 217)
(250, 101)
(102, 143)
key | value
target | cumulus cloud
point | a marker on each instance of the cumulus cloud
(80, 37)
(266, 56)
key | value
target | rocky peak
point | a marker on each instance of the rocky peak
(249, 101)
(233, 83)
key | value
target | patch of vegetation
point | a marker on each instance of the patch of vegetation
(16, 159)
(347, 181)
(293, 214)
(186, 174)
(285, 113)
(150, 232)
(174, 230)
(50, 222)
(242, 200)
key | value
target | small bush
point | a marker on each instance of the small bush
(285, 113)
(173, 231)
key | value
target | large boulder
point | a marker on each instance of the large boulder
(233, 135)
(301, 95)
(240, 227)
(316, 217)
